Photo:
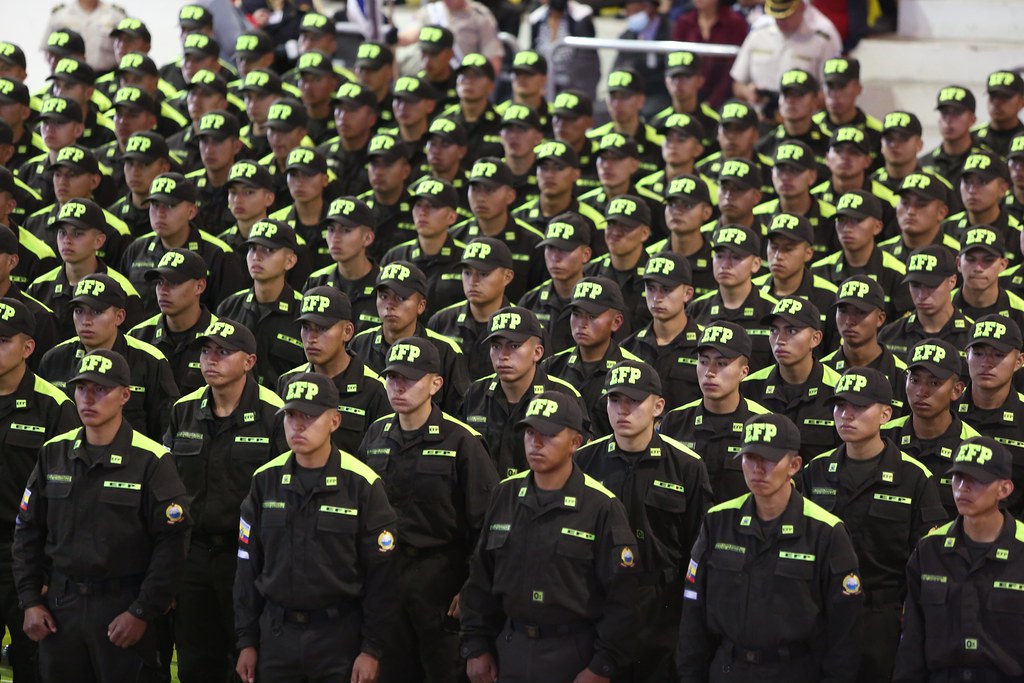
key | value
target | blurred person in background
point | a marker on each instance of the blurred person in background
(712, 21)
(558, 19)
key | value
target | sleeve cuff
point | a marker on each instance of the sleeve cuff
(368, 647)
(474, 647)
(140, 611)
(248, 640)
(602, 665)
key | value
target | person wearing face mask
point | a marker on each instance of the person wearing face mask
(645, 22)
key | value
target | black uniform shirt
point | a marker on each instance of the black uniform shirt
(709, 308)
(278, 339)
(901, 335)
(362, 293)
(1004, 424)
(675, 362)
(521, 238)
(179, 348)
(444, 275)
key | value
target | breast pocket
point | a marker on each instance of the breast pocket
(336, 536)
(726, 578)
(189, 461)
(792, 597)
(121, 493)
(246, 457)
(435, 476)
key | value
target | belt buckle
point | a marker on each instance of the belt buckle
(751, 657)
(533, 632)
(83, 588)
(300, 617)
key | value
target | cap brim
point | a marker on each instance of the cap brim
(321, 320)
(789, 236)
(985, 175)
(346, 222)
(264, 242)
(219, 341)
(685, 70)
(954, 105)
(399, 288)
(435, 201)
(934, 368)
(511, 335)
(766, 452)
(9, 331)
(634, 393)
(248, 182)
(545, 427)
(791, 319)
(1005, 90)
(409, 96)
(558, 243)
(407, 371)
(994, 343)
(984, 247)
(162, 199)
(742, 251)
(170, 274)
(628, 221)
(663, 280)
(976, 472)
(853, 213)
(92, 302)
(860, 304)
(590, 306)
(724, 349)
(431, 48)
(926, 279)
(281, 125)
(98, 378)
(851, 397)
(306, 408)
(482, 266)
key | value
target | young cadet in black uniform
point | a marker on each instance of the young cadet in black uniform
(736, 258)
(983, 186)
(314, 593)
(859, 313)
(739, 192)
(901, 145)
(45, 331)
(931, 274)
(688, 206)
(446, 156)
(495, 403)
(626, 97)
(491, 196)
(596, 317)
(981, 262)
(572, 119)
(436, 45)
(219, 435)
(389, 169)
(684, 79)
(529, 83)
(474, 85)
(35, 257)
(567, 250)
(180, 281)
(664, 487)
(286, 131)
(307, 179)
(145, 157)
(682, 147)
(172, 205)
(923, 206)
(842, 89)
(1005, 101)
(521, 134)
(991, 403)
(326, 322)
(669, 341)
(886, 498)
(799, 99)
(849, 160)
(413, 103)
(31, 409)
(401, 301)
(103, 525)
(858, 225)
(568, 613)
(355, 116)
(486, 273)
(349, 234)
(438, 475)
(1015, 164)
(932, 431)
(956, 106)
(737, 137)
(219, 147)
(772, 592)
(60, 125)
(270, 306)
(963, 580)
(98, 311)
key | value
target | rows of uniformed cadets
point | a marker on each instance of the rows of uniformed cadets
(520, 267)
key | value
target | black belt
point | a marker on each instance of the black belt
(766, 655)
(312, 616)
(883, 597)
(101, 587)
(538, 631)
(409, 551)
(973, 675)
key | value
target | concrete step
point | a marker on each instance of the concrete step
(974, 20)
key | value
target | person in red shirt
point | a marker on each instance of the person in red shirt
(712, 21)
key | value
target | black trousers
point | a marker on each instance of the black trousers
(558, 659)
(23, 652)
(204, 625)
(879, 642)
(80, 650)
(661, 608)
(321, 651)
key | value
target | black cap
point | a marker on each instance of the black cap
(930, 265)
(228, 334)
(529, 62)
(557, 150)
(862, 387)
(683, 124)
(572, 104)
(859, 204)
(138, 99)
(306, 160)
(177, 266)
(147, 146)
(309, 393)
(739, 113)
(99, 292)
(626, 80)
(81, 213)
(618, 145)
(201, 45)
(630, 210)
(287, 114)
(795, 153)
(983, 459)
(314, 22)
(514, 323)
(595, 295)
(791, 227)
(551, 412)
(104, 367)
(253, 44)
(904, 121)
(850, 135)
(924, 185)
(207, 80)
(841, 70)
(956, 96)
(682, 62)
(1016, 147)
(413, 358)
(172, 188)
(771, 435)
(219, 125)
(251, 174)
(863, 292)
(192, 17)
(73, 69)
(414, 88)
(78, 158)
(986, 165)
(130, 26)
(16, 318)
(633, 379)
(374, 55)
(450, 130)
(983, 237)
(315, 62)
(486, 254)
(937, 356)
(492, 172)
(433, 39)
(798, 80)
(567, 231)
(387, 147)
(137, 63)
(273, 234)
(351, 212)
(262, 80)
(670, 269)
(65, 42)
(997, 331)
(12, 54)
(689, 187)
(742, 172)
(8, 240)
(439, 193)
(62, 109)
(13, 91)
(403, 278)
(729, 339)
(522, 116)
(1005, 82)
(325, 306)
(738, 239)
(795, 310)
(476, 62)
(780, 9)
